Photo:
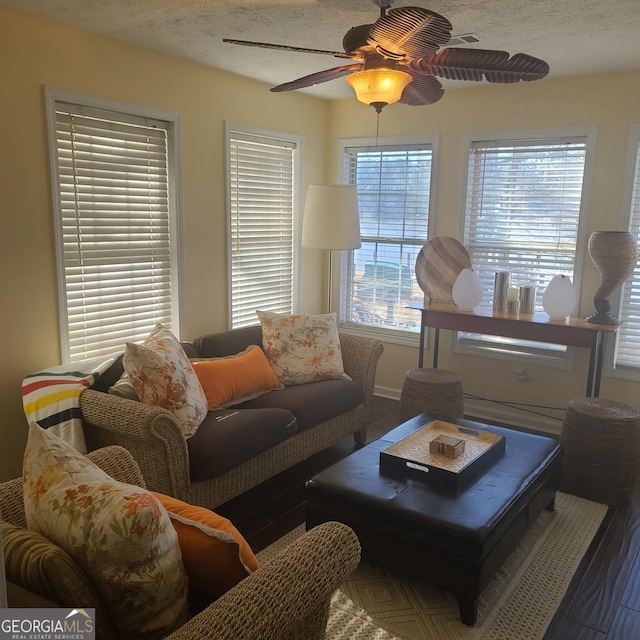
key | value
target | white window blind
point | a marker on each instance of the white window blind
(262, 197)
(522, 215)
(114, 229)
(394, 188)
(628, 344)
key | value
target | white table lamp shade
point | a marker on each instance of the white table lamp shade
(331, 219)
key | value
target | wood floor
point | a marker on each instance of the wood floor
(602, 602)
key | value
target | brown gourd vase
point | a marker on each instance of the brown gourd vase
(615, 254)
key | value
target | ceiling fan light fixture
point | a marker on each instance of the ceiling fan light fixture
(379, 87)
(410, 39)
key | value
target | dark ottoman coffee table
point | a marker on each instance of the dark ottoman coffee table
(455, 539)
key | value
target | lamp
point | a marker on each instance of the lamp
(379, 84)
(331, 221)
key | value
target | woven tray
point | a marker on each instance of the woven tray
(411, 457)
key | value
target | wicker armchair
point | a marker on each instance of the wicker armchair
(286, 599)
(153, 436)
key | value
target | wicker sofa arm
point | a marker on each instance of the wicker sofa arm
(151, 434)
(117, 462)
(288, 597)
(360, 357)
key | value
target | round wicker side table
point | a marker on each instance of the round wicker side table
(601, 457)
(432, 391)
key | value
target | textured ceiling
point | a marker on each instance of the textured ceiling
(575, 37)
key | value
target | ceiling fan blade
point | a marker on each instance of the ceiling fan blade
(284, 47)
(422, 90)
(476, 64)
(410, 32)
(317, 78)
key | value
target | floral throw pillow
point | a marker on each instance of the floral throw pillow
(162, 375)
(302, 348)
(118, 533)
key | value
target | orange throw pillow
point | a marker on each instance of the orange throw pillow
(215, 554)
(232, 380)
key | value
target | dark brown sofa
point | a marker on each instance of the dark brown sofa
(238, 447)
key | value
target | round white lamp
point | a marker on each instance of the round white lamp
(559, 298)
(467, 289)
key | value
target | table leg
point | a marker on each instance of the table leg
(436, 344)
(592, 364)
(421, 346)
(468, 606)
(600, 358)
(595, 365)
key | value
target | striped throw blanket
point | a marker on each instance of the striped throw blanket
(51, 397)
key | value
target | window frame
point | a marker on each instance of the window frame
(533, 355)
(298, 156)
(389, 335)
(631, 182)
(54, 95)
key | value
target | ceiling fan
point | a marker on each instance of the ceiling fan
(397, 58)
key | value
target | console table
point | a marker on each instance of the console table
(573, 332)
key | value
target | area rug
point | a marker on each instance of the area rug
(376, 603)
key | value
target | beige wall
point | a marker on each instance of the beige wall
(36, 54)
(608, 102)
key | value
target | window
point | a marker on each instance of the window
(523, 208)
(263, 188)
(116, 222)
(393, 179)
(627, 353)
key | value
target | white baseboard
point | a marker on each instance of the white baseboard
(386, 392)
(488, 411)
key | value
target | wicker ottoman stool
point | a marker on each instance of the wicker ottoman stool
(431, 391)
(601, 457)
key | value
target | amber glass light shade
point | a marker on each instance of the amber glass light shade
(379, 86)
